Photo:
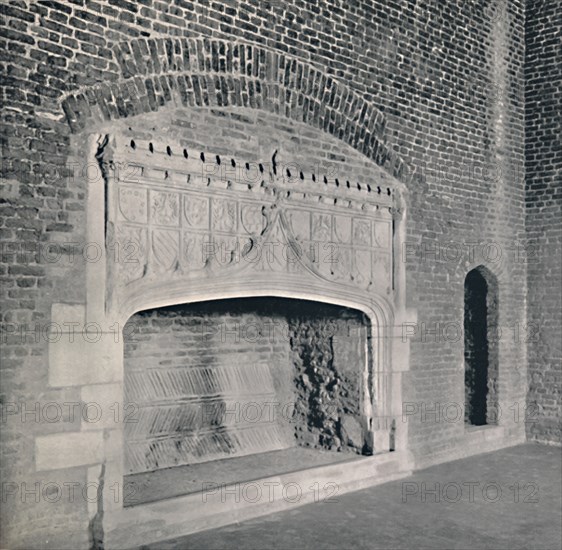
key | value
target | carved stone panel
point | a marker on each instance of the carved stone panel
(180, 228)
(196, 211)
(165, 250)
(164, 208)
(133, 204)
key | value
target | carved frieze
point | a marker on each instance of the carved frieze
(183, 228)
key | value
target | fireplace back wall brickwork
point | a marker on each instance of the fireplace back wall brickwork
(230, 378)
(198, 379)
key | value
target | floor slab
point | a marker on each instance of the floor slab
(184, 480)
(509, 499)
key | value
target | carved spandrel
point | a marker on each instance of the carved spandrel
(196, 250)
(362, 232)
(362, 267)
(382, 270)
(342, 229)
(325, 264)
(381, 234)
(309, 252)
(297, 255)
(224, 251)
(270, 252)
(339, 260)
(299, 222)
(321, 227)
(130, 252)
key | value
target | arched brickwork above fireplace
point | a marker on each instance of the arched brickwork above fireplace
(217, 73)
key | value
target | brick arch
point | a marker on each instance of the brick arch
(491, 261)
(201, 72)
(487, 274)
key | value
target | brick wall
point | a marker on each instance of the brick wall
(437, 100)
(193, 371)
(543, 93)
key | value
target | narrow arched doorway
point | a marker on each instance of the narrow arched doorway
(480, 347)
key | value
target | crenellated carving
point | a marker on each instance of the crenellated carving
(175, 222)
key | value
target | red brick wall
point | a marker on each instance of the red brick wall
(448, 78)
(543, 96)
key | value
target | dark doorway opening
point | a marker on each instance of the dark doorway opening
(480, 347)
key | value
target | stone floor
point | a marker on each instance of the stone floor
(515, 504)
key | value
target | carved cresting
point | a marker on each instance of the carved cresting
(175, 218)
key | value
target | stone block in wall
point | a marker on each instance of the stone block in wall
(67, 450)
(78, 362)
(67, 364)
(67, 347)
(80, 353)
(105, 407)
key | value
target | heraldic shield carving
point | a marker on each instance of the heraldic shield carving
(170, 223)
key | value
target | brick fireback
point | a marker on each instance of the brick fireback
(224, 379)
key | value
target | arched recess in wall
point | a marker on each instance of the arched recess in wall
(481, 347)
(189, 72)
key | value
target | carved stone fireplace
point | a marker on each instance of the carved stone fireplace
(190, 253)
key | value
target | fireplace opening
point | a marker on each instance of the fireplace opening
(480, 347)
(234, 390)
